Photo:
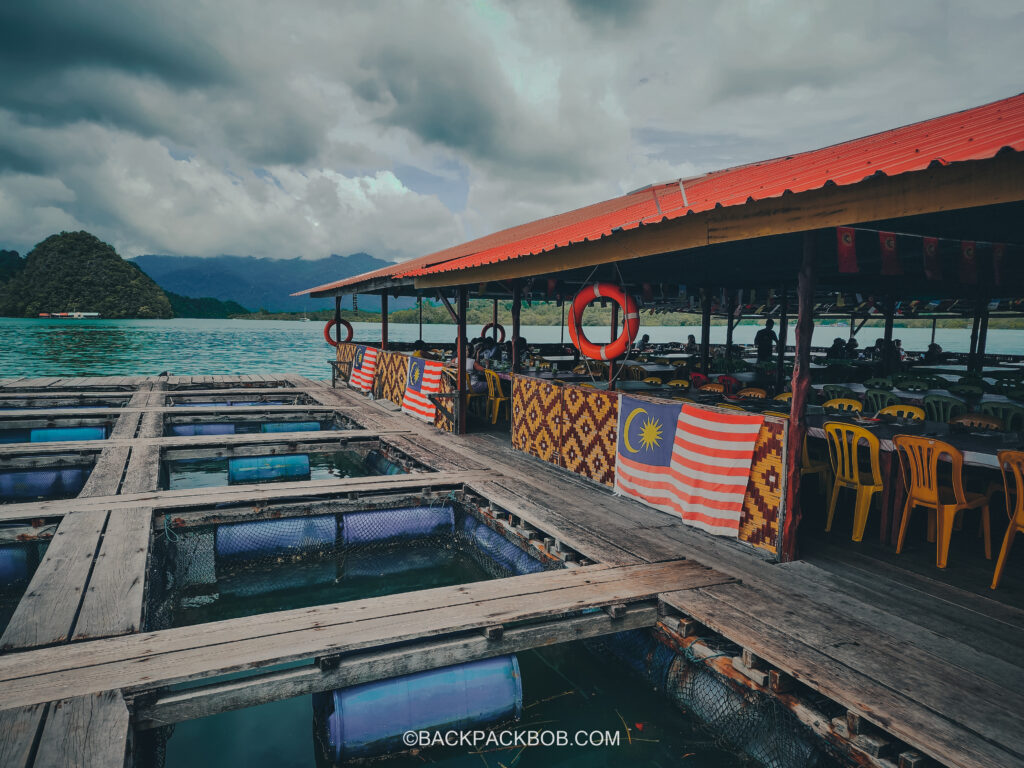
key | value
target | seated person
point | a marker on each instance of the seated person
(419, 349)
(691, 345)
(837, 351)
(852, 349)
(934, 354)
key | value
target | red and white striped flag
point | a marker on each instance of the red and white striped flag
(364, 364)
(424, 379)
(694, 462)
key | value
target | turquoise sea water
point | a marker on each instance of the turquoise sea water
(207, 347)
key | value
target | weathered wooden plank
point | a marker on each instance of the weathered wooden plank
(113, 600)
(105, 477)
(138, 662)
(878, 703)
(379, 665)
(19, 729)
(86, 731)
(47, 611)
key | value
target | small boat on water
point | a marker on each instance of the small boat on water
(69, 315)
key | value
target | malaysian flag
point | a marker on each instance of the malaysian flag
(424, 380)
(690, 461)
(363, 366)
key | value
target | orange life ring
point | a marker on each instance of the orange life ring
(630, 326)
(501, 328)
(327, 332)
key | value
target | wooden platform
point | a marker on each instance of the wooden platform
(940, 669)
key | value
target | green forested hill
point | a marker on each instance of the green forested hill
(76, 271)
(207, 307)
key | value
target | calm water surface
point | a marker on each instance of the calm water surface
(231, 347)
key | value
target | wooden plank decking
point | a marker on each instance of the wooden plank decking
(941, 669)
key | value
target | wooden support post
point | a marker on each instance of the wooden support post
(853, 332)
(614, 335)
(889, 359)
(494, 321)
(517, 302)
(801, 385)
(979, 356)
(730, 308)
(383, 321)
(462, 379)
(419, 306)
(705, 330)
(935, 322)
(337, 315)
(780, 369)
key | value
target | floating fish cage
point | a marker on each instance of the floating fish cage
(322, 459)
(13, 403)
(255, 423)
(191, 386)
(328, 554)
(18, 563)
(239, 400)
(53, 430)
(41, 477)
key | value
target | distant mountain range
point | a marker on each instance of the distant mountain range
(261, 283)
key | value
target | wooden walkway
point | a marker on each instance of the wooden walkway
(940, 669)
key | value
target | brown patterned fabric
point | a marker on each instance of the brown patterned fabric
(759, 521)
(588, 438)
(447, 385)
(346, 352)
(389, 378)
(536, 417)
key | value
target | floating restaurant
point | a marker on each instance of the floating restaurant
(809, 551)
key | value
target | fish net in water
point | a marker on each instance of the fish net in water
(751, 722)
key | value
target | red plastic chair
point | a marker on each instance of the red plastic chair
(697, 380)
(731, 384)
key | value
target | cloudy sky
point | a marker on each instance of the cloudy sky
(304, 128)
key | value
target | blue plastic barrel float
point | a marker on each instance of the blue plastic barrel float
(369, 719)
(35, 483)
(287, 536)
(191, 430)
(66, 434)
(291, 426)
(255, 469)
(13, 564)
(499, 549)
(380, 464)
(395, 524)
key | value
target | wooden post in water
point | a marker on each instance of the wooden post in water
(801, 385)
(517, 301)
(615, 333)
(383, 321)
(780, 368)
(705, 330)
(461, 379)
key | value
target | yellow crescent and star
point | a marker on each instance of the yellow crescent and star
(650, 431)
(415, 373)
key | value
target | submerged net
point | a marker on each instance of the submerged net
(754, 723)
(18, 563)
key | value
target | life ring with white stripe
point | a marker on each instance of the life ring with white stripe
(339, 322)
(630, 325)
(501, 330)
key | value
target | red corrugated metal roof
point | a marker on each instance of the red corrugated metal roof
(973, 134)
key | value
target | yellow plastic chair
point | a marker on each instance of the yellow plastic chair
(787, 396)
(847, 404)
(678, 384)
(682, 399)
(919, 461)
(811, 465)
(978, 421)
(588, 384)
(495, 396)
(755, 393)
(636, 373)
(780, 414)
(653, 380)
(904, 411)
(713, 386)
(1012, 464)
(731, 407)
(844, 446)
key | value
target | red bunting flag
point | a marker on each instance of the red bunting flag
(846, 246)
(998, 254)
(890, 256)
(968, 263)
(932, 266)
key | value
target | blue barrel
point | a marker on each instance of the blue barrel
(13, 564)
(395, 524)
(60, 435)
(289, 536)
(291, 426)
(254, 469)
(499, 549)
(13, 435)
(190, 430)
(367, 720)
(34, 483)
(379, 464)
